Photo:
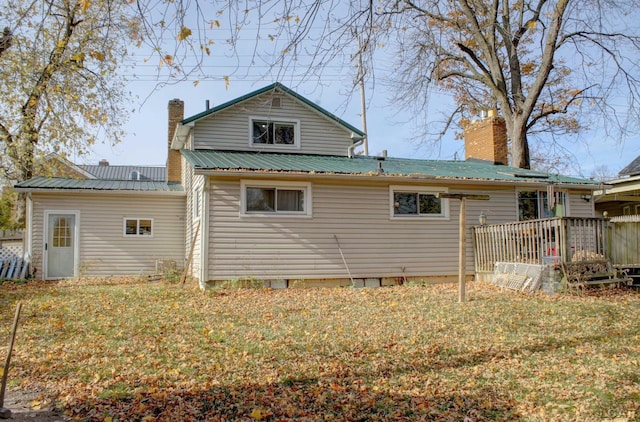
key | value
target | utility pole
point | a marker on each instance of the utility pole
(462, 247)
(363, 104)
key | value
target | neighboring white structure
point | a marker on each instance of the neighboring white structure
(269, 186)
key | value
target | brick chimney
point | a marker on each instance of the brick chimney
(174, 159)
(486, 139)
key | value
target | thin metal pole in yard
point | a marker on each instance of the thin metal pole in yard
(344, 260)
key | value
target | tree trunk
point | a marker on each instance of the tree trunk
(519, 143)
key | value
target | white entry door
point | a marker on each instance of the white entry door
(60, 245)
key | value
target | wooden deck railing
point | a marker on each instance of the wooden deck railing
(545, 241)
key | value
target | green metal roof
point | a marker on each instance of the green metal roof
(367, 165)
(59, 183)
(273, 87)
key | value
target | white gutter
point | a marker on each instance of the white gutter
(180, 135)
(103, 191)
(373, 176)
(352, 147)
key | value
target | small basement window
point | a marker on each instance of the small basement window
(138, 227)
(270, 132)
(263, 198)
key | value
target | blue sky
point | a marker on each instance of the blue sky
(247, 64)
(146, 141)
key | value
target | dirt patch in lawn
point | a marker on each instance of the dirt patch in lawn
(30, 406)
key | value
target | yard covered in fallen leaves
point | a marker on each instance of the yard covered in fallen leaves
(159, 351)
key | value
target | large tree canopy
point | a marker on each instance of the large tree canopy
(549, 66)
(60, 89)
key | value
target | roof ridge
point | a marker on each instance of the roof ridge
(274, 86)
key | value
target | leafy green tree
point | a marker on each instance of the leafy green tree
(7, 205)
(59, 80)
(61, 89)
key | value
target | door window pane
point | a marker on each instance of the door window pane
(535, 204)
(528, 205)
(61, 233)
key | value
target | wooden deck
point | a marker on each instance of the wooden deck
(550, 241)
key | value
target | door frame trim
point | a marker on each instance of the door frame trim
(76, 241)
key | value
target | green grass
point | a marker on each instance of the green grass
(165, 352)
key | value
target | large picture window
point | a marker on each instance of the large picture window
(138, 227)
(263, 198)
(535, 204)
(271, 132)
(419, 203)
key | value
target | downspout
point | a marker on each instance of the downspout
(27, 238)
(204, 234)
(353, 146)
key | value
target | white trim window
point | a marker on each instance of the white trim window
(419, 202)
(270, 132)
(261, 198)
(138, 227)
(535, 204)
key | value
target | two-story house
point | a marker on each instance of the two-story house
(269, 186)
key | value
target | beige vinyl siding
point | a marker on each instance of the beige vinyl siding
(195, 239)
(374, 245)
(578, 207)
(104, 251)
(230, 129)
(193, 182)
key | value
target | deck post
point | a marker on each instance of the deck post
(462, 257)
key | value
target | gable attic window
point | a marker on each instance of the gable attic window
(259, 198)
(535, 204)
(423, 203)
(274, 132)
(137, 227)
